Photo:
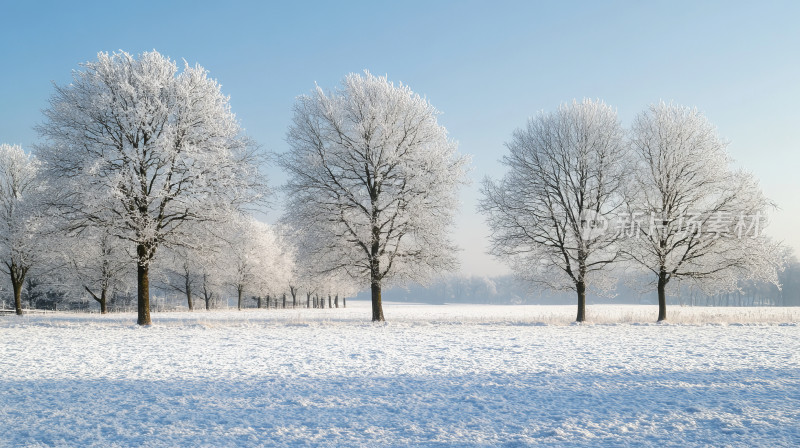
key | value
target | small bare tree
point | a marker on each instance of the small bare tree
(183, 266)
(547, 214)
(97, 263)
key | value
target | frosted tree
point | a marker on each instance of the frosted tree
(142, 149)
(305, 274)
(22, 223)
(565, 174)
(291, 270)
(338, 287)
(373, 182)
(97, 263)
(692, 217)
(256, 259)
(305, 277)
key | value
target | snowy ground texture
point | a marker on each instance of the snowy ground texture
(453, 375)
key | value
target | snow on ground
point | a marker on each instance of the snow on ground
(454, 375)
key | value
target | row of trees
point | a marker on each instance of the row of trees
(53, 257)
(139, 159)
(142, 163)
(584, 199)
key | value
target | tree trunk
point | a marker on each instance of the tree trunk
(17, 286)
(344, 302)
(329, 301)
(375, 281)
(662, 295)
(143, 289)
(377, 308)
(239, 293)
(259, 301)
(336, 301)
(284, 300)
(581, 288)
(101, 300)
(308, 300)
(189, 294)
(103, 309)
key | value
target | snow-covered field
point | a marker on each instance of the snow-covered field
(454, 375)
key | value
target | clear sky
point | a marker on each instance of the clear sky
(487, 66)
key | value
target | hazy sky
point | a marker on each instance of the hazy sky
(487, 66)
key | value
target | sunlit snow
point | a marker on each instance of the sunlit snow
(452, 375)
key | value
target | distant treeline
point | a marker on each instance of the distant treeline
(506, 289)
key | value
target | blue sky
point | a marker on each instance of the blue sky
(487, 66)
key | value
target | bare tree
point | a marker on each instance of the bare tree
(373, 183)
(142, 149)
(96, 263)
(182, 270)
(209, 289)
(693, 217)
(565, 173)
(183, 277)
